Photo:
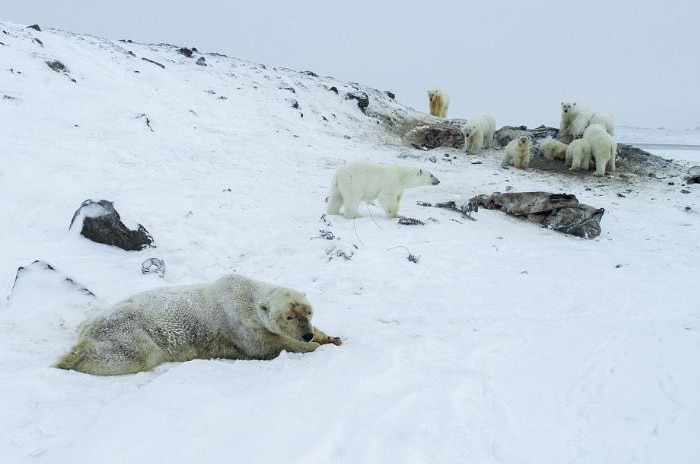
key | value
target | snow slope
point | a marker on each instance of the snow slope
(504, 343)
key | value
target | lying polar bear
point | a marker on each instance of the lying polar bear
(234, 317)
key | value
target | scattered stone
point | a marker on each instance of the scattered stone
(411, 221)
(326, 235)
(201, 61)
(35, 27)
(153, 266)
(310, 73)
(688, 208)
(151, 61)
(333, 89)
(57, 66)
(148, 120)
(685, 191)
(361, 97)
(391, 95)
(185, 51)
(46, 270)
(295, 104)
(287, 87)
(101, 223)
(38, 41)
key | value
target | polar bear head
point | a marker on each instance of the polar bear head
(471, 129)
(288, 313)
(415, 177)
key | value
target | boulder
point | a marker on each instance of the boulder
(100, 222)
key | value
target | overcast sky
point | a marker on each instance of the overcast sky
(639, 60)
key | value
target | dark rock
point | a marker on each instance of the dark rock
(333, 89)
(391, 95)
(46, 271)
(194, 49)
(185, 51)
(153, 62)
(56, 66)
(361, 97)
(39, 42)
(101, 223)
(310, 73)
(295, 104)
(35, 27)
(693, 176)
(201, 61)
(557, 211)
(153, 266)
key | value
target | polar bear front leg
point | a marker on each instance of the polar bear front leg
(321, 338)
(390, 204)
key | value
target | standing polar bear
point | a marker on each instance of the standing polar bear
(439, 102)
(603, 148)
(578, 155)
(365, 181)
(517, 153)
(569, 111)
(234, 317)
(478, 133)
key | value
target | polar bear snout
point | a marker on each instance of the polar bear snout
(435, 180)
(307, 337)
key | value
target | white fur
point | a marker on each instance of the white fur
(365, 181)
(438, 102)
(580, 122)
(553, 149)
(578, 155)
(478, 133)
(603, 148)
(605, 120)
(569, 111)
(234, 317)
(517, 153)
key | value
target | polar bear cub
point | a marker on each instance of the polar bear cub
(553, 149)
(569, 111)
(517, 153)
(603, 148)
(439, 102)
(235, 317)
(478, 133)
(578, 155)
(366, 181)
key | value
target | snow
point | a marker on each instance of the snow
(504, 343)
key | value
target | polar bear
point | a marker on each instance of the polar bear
(553, 149)
(439, 102)
(603, 148)
(578, 155)
(569, 111)
(478, 133)
(580, 122)
(234, 317)
(365, 181)
(517, 153)
(605, 120)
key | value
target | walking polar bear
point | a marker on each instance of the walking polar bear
(517, 153)
(603, 148)
(439, 102)
(234, 317)
(366, 181)
(478, 133)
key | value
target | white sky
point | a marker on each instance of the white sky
(639, 60)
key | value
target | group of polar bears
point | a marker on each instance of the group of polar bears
(591, 133)
(592, 139)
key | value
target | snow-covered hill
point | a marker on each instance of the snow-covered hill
(504, 343)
